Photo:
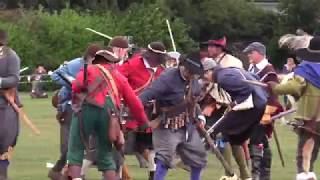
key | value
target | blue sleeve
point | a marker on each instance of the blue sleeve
(233, 84)
(155, 90)
(56, 78)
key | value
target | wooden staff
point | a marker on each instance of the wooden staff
(10, 94)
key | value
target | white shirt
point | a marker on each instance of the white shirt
(228, 61)
(261, 65)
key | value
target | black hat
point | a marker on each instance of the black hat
(157, 47)
(311, 53)
(192, 62)
(119, 41)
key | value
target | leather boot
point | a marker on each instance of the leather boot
(256, 158)
(54, 175)
(109, 175)
(151, 175)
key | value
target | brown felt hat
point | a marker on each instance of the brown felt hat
(157, 47)
(106, 54)
(119, 41)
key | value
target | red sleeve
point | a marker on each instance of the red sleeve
(132, 101)
(124, 69)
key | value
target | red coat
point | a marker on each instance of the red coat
(98, 89)
(136, 72)
(138, 76)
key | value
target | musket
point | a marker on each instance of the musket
(205, 134)
(10, 95)
(171, 36)
(99, 33)
(216, 152)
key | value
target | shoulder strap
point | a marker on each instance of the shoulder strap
(139, 89)
(114, 93)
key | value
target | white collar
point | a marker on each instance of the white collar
(261, 65)
(145, 62)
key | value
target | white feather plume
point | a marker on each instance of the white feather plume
(294, 42)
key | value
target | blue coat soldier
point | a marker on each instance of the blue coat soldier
(175, 132)
(247, 102)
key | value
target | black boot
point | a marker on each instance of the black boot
(266, 164)
(54, 175)
(151, 175)
(256, 158)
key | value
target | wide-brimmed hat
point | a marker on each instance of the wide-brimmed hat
(108, 55)
(222, 42)
(312, 52)
(192, 62)
(155, 51)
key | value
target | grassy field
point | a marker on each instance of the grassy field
(33, 152)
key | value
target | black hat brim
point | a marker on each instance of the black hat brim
(308, 55)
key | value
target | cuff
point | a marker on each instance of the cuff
(202, 118)
(143, 127)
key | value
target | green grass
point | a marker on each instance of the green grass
(32, 152)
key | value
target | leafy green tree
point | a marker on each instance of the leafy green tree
(302, 14)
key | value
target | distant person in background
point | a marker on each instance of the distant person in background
(37, 84)
(289, 66)
(172, 59)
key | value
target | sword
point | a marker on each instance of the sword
(9, 94)
(99, 33)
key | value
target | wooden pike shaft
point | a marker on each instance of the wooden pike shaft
(256, 83)
(217, 152)
(171, 36)
(99, 33)
(10, 95)
(275, 135)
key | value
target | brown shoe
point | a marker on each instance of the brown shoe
(54, 175)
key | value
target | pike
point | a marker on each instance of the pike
(171, 36)
(275, 135)
(23, 69)
(99, 33)
(256, 83)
